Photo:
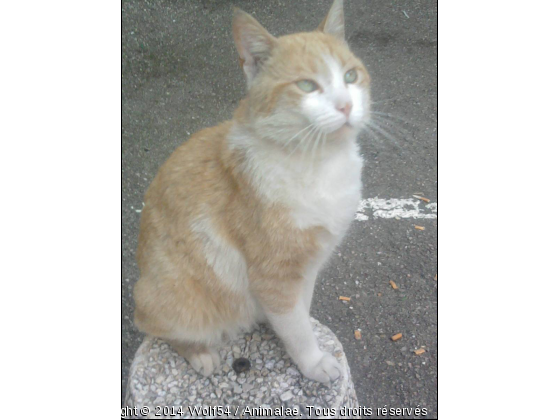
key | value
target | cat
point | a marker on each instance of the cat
(240, 219)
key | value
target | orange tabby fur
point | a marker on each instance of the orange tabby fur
(176, 282)
(206, 186)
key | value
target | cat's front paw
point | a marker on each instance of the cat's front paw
(205, 362)
(326, 370)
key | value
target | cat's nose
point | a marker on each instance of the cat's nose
(345, 108)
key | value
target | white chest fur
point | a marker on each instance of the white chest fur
(327, 195)
(323, 192)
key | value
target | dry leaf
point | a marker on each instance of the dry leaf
(358, 334)
(344, 298)
(396, 337)
(393, 284)
(427, 200)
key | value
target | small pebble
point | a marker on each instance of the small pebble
(287, 396)
(165, 379)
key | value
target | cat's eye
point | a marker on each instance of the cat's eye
(307, 85)
(351, 76)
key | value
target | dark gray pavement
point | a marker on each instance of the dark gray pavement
(180, 73)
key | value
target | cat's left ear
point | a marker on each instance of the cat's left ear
(333, 24)
(254, 44)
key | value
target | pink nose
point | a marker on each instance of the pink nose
(345, 108)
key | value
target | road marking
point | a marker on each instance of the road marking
(392, 208)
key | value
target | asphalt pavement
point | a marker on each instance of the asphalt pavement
(180, 73)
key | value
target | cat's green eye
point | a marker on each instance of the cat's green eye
(307, 85)
(351, 76)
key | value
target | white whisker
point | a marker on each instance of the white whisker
(384, 133)
(310, 141)
(386, 115)
(315, 143)
(302, 140)
(295, 135)
(396, 98)
(391, 124)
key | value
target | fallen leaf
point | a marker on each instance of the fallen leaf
(422, 198)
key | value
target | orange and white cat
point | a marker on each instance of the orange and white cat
(241, 218)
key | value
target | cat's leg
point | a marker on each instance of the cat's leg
(308, 288)
(312, 272)
(202, 358)
(294, 328)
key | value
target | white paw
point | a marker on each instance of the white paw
(326, 370)
(206, 362)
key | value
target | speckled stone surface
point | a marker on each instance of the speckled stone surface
(159, 377)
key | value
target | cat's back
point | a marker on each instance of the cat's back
(197, 159)
(193, 178)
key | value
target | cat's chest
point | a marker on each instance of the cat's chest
(325, 195)
(329, 201)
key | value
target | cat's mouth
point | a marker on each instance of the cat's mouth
(346, 126)
(342, 128)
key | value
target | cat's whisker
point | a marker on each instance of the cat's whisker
(295, 135)
(387, 115)
(323, 142)
(384, 133)
(376, 136)
(310, 141)
(396, 98)
(389, 119)
(403, 131)
(302, 140)
(316, 141)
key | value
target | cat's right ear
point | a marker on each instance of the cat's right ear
(254, 44)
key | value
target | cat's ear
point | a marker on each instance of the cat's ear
(254, 44)
(333, 24)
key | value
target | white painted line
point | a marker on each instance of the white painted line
(404, 208)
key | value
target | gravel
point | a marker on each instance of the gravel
(160, 377)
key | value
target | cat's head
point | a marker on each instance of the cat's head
(304, 84)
